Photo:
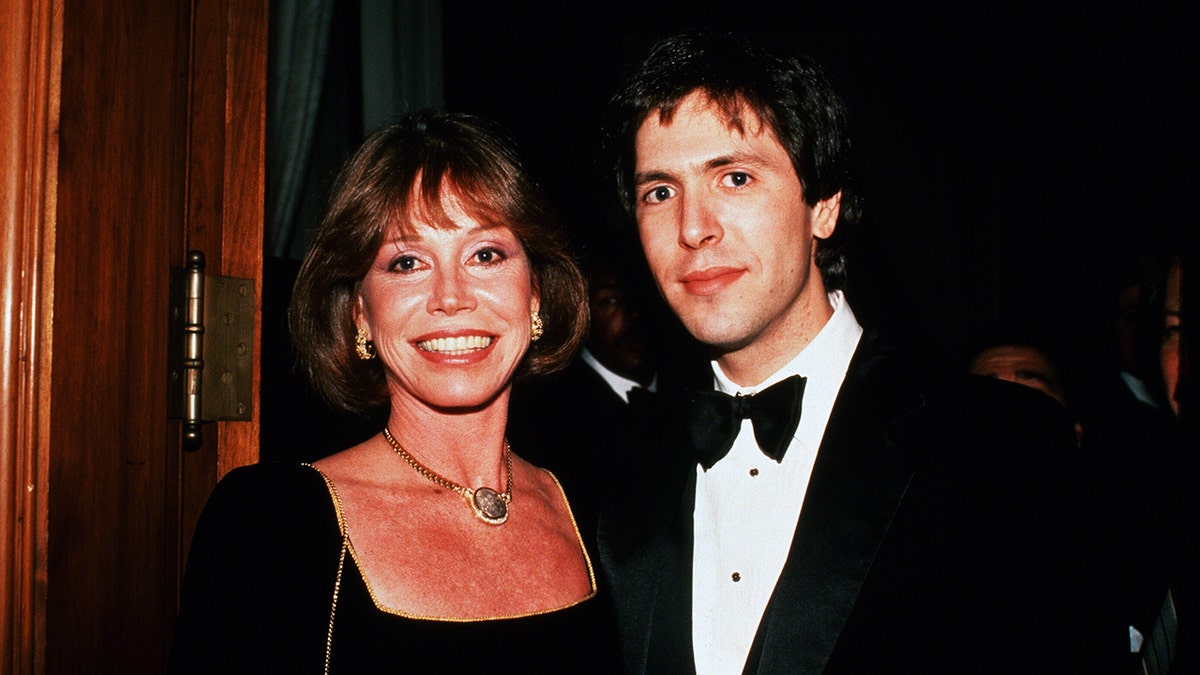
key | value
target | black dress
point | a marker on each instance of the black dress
(258, 596)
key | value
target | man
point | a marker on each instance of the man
(1124, 478)
(621, 345)
(909, 525)
(1129, 335)
(1027, 364)
(1020, 363)
(1171, 638)
(1171, 348)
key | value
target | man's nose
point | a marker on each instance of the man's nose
(698, 225)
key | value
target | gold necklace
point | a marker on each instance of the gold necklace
(490, 506)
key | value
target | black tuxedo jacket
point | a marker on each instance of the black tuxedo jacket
(573, 424)
(1139, 482)
(936, 536)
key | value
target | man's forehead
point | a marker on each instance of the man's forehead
(736, 114)
(1015, 356)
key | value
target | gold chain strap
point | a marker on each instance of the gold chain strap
(337, 586)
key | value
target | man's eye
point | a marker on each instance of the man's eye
(659, 194)
(738, 178)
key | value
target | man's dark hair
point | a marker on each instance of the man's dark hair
(792, 96)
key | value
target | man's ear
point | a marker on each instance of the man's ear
(825, 215)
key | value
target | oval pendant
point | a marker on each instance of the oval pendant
(489, 507)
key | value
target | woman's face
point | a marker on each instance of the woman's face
(1172, 335)
(449, 310)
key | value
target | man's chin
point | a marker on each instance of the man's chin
(720, 337)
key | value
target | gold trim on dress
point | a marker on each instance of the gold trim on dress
(348, 545)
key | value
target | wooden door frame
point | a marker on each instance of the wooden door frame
(30, 67)
(223, 212)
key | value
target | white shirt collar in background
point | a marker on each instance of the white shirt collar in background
(616, 382)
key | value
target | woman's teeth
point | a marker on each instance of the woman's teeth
(455, 345)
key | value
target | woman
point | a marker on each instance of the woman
(438, 276)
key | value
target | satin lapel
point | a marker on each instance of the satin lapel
(670, 649)
(645, 544)
(858, 482)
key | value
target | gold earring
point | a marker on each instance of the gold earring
(538, 326)
(362, 346)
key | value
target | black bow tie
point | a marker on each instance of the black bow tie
(714, 419)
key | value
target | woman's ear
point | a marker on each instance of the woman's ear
(535, 302)
(359, 315)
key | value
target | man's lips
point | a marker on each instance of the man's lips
(711, 281)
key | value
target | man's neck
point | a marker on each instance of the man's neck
(774, 348)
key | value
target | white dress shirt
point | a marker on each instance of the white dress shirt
(747, 505)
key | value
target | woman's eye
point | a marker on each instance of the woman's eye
(405, 263)
(659, 194)
(489, 255)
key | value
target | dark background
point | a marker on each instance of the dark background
(1013, 163)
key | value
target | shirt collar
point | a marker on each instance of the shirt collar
(618, 383)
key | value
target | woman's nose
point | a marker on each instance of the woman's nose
(452, 291)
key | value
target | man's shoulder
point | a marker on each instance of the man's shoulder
(983, 398)
(938, 408)
(879, 360)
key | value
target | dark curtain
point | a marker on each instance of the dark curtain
(336, 71)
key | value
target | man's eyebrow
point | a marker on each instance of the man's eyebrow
(651, 177)
(735, 158)
(743, 158)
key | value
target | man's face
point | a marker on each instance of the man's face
(1027, 365)
(618, 336)
(1172, 336)
(727, 234)
(1021, 364)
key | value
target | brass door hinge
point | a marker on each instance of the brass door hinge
(211, 350)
